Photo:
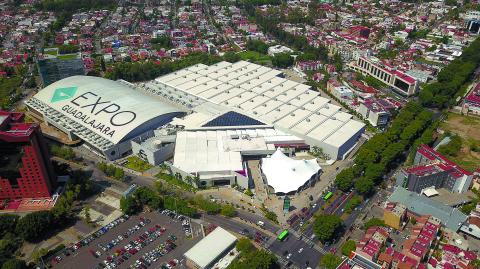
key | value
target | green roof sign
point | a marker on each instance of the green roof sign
(61, 94)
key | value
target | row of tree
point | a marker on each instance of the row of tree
(414, 125)
(165, 199)
(451, 80)
(73, 5)
(141, 71)
(63, 152)
(111, 170)
(383, 152)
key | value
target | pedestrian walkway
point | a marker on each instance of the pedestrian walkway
(308, 241)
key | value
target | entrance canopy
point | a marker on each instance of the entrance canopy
(285, 174)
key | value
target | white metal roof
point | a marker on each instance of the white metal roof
(92, 94)
(221, 150)
(259, 92)
(285, 174)
(211, 247)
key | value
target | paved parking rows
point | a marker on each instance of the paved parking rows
(96, 252)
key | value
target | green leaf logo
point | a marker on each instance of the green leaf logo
(61, 94)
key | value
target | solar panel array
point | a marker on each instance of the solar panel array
(232, 118)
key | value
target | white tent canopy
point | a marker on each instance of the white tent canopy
(285, 174)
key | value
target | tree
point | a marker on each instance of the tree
(330, 261)
(364, 185)
(207, 205)
(282, 60)
(257, 45)
(373, 222)
(7, 224)
(352, 203)
(8, 246)
(245, 245)
(129, 206)
(348, 247)
(228, 211)
(452, 148)
(34, 225)
(231, 57)
(327, 227)
(88, 218)
(259, 259)
(119, 174)
(161, 42)
(375, 172)
(14, 264)
(270, 215)
(366, 156)
(344, 179)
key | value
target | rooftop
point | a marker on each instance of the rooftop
(215, 242)
(474, 96)
(261, 94)
(285, 174)
(13, 128)
(396, 208)
(72, 99)
(433, 155)
(450, 217)
(357, 261)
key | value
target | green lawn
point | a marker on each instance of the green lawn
(468, 128)
(137, 164)
(51, 51)
(254, 56)
(176, 182)
(67, 56)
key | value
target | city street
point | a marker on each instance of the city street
(309, 255)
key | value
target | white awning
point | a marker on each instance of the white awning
(429, 192)
(285, 174)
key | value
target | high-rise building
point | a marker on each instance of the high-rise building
(25, 168)
(433, 170)
(54, 69)
(396, 79)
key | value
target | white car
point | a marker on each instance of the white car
(289, 255)
(300, 250)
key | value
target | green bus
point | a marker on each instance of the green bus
(283, 235)
(327, 196)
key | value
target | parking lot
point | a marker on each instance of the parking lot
(150, 240)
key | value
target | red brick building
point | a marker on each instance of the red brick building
(25, 168)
